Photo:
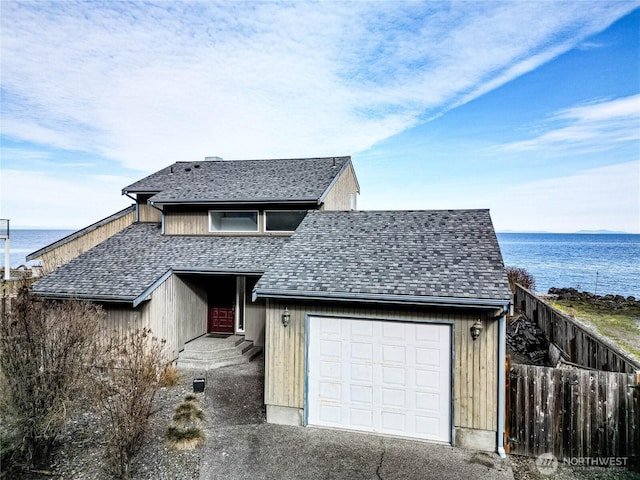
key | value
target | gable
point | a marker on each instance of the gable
(400, 256)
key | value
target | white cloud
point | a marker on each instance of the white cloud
(150, 84)
(604, 198)
(31, 199)
(595, 199)
(587, 128)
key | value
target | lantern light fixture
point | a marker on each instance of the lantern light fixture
(475, 329)
(286, 316)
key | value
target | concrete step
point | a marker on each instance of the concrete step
(198, 364)
(209, 353)
(206, 343)
(252, 353)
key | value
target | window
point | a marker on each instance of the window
(283, 220)
(233, 221)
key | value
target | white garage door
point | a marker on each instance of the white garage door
(380, 376)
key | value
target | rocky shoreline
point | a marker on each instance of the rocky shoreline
(601, 302)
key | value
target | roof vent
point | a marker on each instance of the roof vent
(213, 159)
(334, 162)
(196, 166)
(188, 169)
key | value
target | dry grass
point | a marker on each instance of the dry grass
(169, 377)
(623, 326)
(185, 433)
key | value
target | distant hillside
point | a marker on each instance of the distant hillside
(603, 231)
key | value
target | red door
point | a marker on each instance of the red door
(222, 319)
(222, 301)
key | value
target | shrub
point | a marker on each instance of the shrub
(126, 386)
(521, 277)
(169, 377)
(45, 352)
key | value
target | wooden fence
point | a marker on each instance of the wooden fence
(572, 412)
(583, 346)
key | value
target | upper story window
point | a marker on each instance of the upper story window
(282, 220)
(233, 221)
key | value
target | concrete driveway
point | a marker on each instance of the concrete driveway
(240, 445)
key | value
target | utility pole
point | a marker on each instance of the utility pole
(4, 234)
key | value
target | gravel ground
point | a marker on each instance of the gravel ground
(81, 452)
(524, 468)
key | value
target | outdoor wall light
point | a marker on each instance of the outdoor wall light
(475, 329)
(286, 316)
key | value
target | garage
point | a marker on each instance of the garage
(379, 376)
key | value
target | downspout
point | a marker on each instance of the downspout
(135, 201)
(502, 341)
(162, 217)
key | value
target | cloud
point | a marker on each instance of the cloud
(600, 198)
(587, 128)
(591, 199)
(146, 85)
(70, 202)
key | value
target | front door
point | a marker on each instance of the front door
(222, 301)
(221, 319)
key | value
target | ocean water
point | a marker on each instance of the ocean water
(24, 242)
(600, 263)
(596, 263)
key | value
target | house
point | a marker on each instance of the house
(390, 322)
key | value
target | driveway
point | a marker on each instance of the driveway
(240, 445)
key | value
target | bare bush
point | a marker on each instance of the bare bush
(45, 352)
(521, 277)
(126, 386)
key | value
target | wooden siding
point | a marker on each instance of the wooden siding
(73, 248)
(146, 213)
(475, 364)
(187, 223)
(254, 316)
(584, 347)
(339, 197)
(122, 319)
(177, 313)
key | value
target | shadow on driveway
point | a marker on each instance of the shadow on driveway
(240, 445)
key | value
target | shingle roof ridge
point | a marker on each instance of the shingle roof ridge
(411, 210)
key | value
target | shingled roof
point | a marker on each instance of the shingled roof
(430, 257)
(303, 180)
(125, 266)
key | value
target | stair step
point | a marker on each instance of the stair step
(253, 352)
(206, 344)
(212, 352)
(193, 364)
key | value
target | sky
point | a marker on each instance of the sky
(530, 109)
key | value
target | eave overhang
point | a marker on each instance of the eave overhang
(86, 297)
(260, 201)
(416, 300)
